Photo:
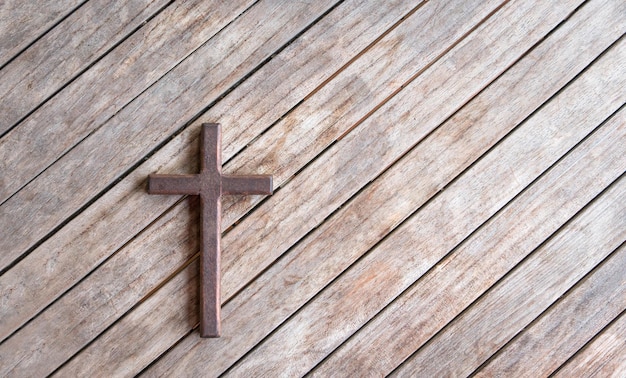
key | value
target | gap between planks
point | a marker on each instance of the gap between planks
(569, 323)
(602, 356)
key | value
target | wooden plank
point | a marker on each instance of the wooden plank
(573, 321)
(604, 356)
(106, 223)
(21, 22)
(66, 51)
(312, 263)
(92, 165)
(521, 296)
(107, 87)
(385, 272)
(113, 220)
(114, 335)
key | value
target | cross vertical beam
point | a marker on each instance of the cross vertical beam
(210, 257)
(210, 184)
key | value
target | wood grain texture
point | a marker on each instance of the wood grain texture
(385, 272)
(341, 171)
(313, 263)
(525, 293)
(111, 336)
(151, 251)
(113, 220)
(394, 334)
(67, 265)
(574, 320)
(65, 51)
(166, 106)
(604, 356)
(119, 77)
(408, 136)
(129, 360)
(271, 248)
(79, 316)
(22, 22)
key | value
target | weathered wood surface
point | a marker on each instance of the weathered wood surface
(430, 295)
(74, 179)
(122, 75)
(604, 356)
(522, 295)
(167, 251)
(270, 247)
(380, 208)
(67, 50)
(23, 21)
(129, 206)
(390, 268)
(84, 236)
(568, 325)
(399, 134)
(72, 243)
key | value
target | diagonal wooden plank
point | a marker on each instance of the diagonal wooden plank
(166, 106)
(312, 263)
(113, 220)
(604, 356)
(169, 303)
(107, 87)
(568, 325)
(526, 292)
(382, 274)
(22, 22)
(130, 358)
(66, 51)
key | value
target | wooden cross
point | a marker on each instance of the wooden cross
(210, 184)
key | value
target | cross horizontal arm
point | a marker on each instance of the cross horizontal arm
(250, 184)
(174, 184)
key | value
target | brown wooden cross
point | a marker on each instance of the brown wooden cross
(210, 184)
